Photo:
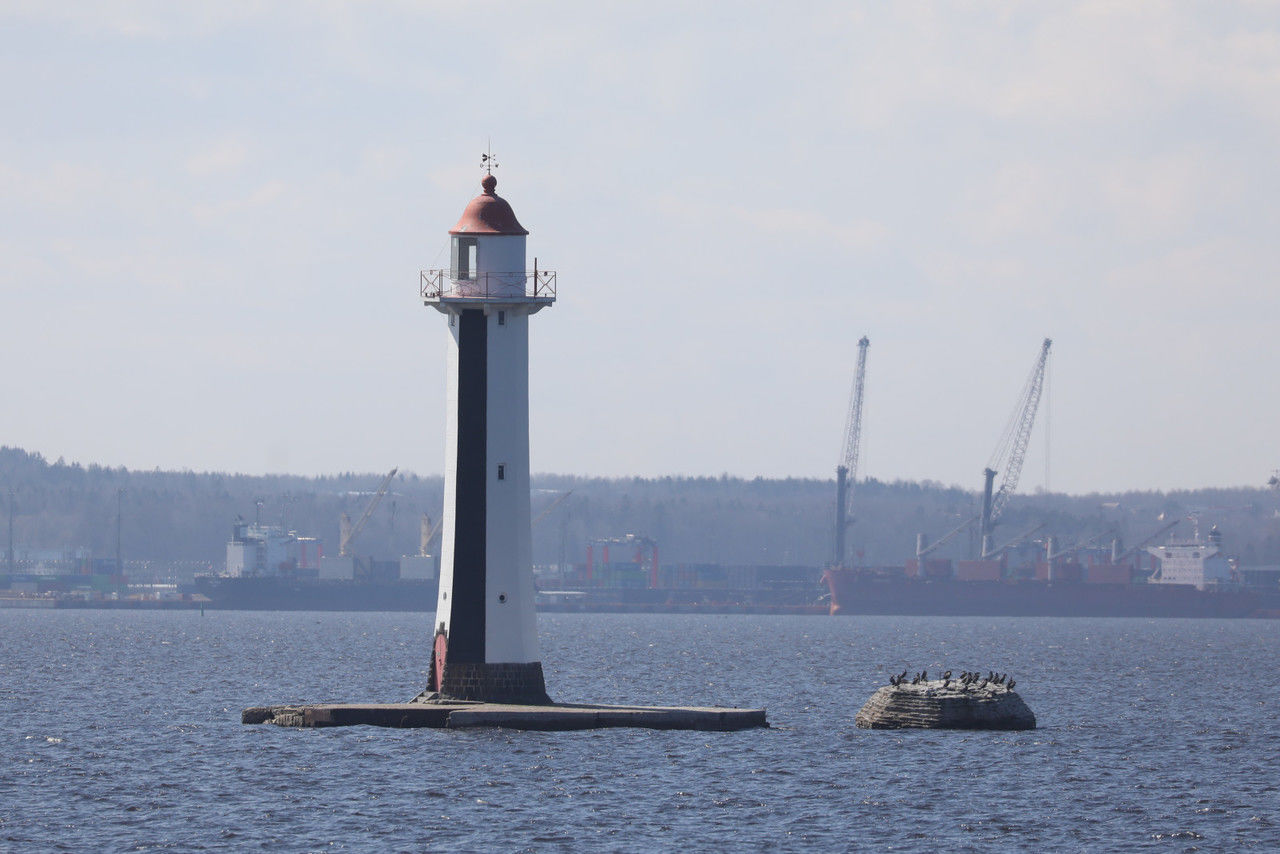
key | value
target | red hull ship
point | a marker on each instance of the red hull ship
(859, 591)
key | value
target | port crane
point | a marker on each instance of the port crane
(1011, 451)
(429, 532)
(847, 468)
(1052, 552)
(546, 511)
(1001, 549)
(1118, 551)
(1118, 556)
(924, 548)
(348, 531)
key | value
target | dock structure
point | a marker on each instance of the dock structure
(485, 667)
(550, 717)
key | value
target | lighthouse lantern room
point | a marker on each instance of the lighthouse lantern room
(486, 646)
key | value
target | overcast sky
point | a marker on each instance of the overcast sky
(212, 218)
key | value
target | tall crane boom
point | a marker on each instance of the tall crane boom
(430, 531)
(349, 534)
(853, 427)
(1120, 556)
(1011, 450)
(925, 548)
(546, 511)
(847, 468)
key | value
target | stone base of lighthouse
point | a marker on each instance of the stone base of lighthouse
(492, 683)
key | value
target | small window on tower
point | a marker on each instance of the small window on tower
(502, 471)
(502, 318)
(464, 258)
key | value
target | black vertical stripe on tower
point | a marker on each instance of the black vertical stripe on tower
(466, 620)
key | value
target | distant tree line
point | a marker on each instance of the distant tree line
(187, 516)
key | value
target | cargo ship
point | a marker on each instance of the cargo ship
(866, 592)
(271, 568)
(248, 593)
(284, 594)
(1180, 579)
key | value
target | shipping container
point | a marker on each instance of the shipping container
(1109, 573)
(979, 570)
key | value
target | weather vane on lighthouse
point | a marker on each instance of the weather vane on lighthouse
(487, 161)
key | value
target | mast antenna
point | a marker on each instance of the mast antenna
(487, 161)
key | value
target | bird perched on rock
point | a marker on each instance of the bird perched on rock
(915, 680)
(946, 677)
(924, 675)
(902, 677)
(1009, 687)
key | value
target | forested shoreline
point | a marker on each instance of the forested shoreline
(187, 516)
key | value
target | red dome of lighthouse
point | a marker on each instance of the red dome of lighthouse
(488, 214)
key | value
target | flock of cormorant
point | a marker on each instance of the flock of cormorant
(966, 680)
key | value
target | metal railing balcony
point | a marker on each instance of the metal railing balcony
(531, 285)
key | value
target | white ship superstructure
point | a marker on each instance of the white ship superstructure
(1200, 565)
(259, 550)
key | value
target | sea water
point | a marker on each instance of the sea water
(121, 731)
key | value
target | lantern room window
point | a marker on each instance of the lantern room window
(465, 250)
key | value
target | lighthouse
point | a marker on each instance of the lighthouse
(485, 643)
(485, 669)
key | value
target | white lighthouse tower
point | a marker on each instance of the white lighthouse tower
(486, 642)
(485, 647)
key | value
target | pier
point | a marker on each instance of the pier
(553, 717)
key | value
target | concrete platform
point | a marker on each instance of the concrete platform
(555, 717)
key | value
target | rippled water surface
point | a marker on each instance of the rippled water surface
(121, 731)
